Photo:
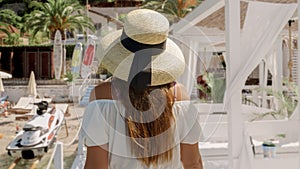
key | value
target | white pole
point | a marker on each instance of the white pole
(59, 156)
(263, 79)
(298, 74)
(279, 71)
(298, 61)
(233, 103)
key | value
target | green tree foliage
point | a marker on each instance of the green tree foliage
(175, 9)
(56, 15)
(13, 39)
(4, 28)
(10, 17)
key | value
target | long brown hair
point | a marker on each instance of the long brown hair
(149, 121)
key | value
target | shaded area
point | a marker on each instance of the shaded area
(68, 160)
(5, 122)
(7, 160)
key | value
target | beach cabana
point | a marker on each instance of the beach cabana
(251, 29)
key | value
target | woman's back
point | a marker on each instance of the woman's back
(143, 124)
(104, 124)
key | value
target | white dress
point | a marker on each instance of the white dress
(103, 123)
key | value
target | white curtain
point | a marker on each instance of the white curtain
(192, 60)
(197, 58)
(258, 36)
(271, 65)
(285, 52)
(270, 61)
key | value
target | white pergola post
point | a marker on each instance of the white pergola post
(277, 78)
(279, 61)
(298, 73)
(298, 67)
(263, 79)
(233, 102)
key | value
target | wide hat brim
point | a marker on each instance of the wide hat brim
(166, 67)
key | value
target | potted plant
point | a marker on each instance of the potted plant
(269, 149)
(102, 71)
(204, 91)
(69, 77)
(215, 85)
(269, 146)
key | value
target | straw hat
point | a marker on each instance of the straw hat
(143, 41)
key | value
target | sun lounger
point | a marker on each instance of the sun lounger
(25, 104)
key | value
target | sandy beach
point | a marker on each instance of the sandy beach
(8, 129)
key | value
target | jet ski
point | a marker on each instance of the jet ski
(38, 134)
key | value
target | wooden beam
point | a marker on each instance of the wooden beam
(205, 9)
(109, 18)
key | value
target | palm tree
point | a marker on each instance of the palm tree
(176, 9)
(6, 16)
(10, 17)
(4, 28)
(56, 15)
(10, 25)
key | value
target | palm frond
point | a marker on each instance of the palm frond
(57, 15)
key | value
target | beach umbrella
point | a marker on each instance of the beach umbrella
(5, 75)
(1, 85)
(32, 85)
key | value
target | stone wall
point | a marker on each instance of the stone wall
(62, 93)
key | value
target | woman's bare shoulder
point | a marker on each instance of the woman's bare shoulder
(180, 92)
(101, 91)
